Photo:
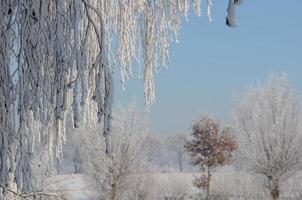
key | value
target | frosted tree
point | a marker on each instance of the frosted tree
(113, 174)
(268, 119)
(152, 147)
(176, 144)
(59, 56)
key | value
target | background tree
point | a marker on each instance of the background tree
(176, 144)
(210, 147)
(113, 175)
(268, 121)
(152, 147)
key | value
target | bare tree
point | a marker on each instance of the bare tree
(268, 119)
(152, 147)
(177, 144)
(209, 148)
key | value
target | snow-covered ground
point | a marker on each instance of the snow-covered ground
(71, 187)
(235, 185)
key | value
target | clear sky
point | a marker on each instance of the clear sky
(212, 61)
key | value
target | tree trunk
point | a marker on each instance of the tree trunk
(275, 189)
(180, 164)
(275, 192)
(208, 184)
(113, 192)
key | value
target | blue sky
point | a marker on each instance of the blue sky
(212, 61)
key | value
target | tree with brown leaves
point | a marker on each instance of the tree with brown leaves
(210, 147)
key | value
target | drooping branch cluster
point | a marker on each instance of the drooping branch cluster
(59, 55)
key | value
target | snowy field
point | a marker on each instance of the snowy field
(226, 185)
(71, 187)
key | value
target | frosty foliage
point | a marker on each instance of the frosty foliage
(268, 121)
(57, 56)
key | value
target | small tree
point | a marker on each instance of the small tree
(210, 147)
(177, 144)
(113, 175)
(152, 147)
